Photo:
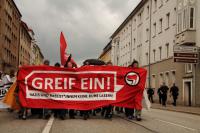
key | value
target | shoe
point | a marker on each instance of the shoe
(62, 117)
(85, 117)
(55, 115)
(138, 118)
(47, 116)
(94, 114)
(40, 116)
(71, 117)
(23, 117)
(130, 117)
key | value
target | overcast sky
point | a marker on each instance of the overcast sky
(87, 24)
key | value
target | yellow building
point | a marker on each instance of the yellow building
(106, 54)
(38, 60)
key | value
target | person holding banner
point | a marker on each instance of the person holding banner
(68, 64)
(135, 64)
(130, 112)
(108, 109)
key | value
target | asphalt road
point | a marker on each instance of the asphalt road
(154, 121)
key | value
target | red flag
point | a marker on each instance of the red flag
(63, 47)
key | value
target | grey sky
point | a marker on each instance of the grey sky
(87, 24)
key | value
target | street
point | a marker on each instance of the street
(154, 121)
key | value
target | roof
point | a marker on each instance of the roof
(16, 8)
(138, 7)
(26, 28)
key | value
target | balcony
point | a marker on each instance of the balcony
(186, 37)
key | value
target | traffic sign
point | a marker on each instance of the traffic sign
(182, 60)
(185, 49)
(186, 55)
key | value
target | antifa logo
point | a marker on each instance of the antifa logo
(3, 92)
(132, 78)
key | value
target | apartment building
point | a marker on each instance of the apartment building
(25, 45)
(10, 18)
(149, 34)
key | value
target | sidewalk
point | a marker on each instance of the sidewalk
(179, 108)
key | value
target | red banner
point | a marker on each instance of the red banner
(84, 88)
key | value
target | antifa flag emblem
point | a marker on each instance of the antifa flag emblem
(132, 78)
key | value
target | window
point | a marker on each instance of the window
(134, 42)
(161, 79)
(140, 18)
(167, 20)
(173, 76)
(192, 18)
(160, 21)
(154, 55)
(160, 49)
(153, 84)
(185, 19)
(134, 24)
(155, 5)
(167, 78)
(147, 58)
(179, 22)
(148, 11)
(167, 50)
(188, 68)
(147, 34)
(154, 29)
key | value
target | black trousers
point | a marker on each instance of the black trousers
(71, 113)
(160, 99)
(106, 110)
(164, 100)
(129, 112)
(150, 98)
(174, 98)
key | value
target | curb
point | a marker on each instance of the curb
(172, 110)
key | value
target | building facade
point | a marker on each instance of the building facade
(39, 58)
(25, 45)
(10, 18)
(106, 54)
(149, 34)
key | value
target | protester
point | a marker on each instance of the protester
(108, 109)
(159, 94)
(130, 112)
(45, 113)
(135, 64)
(174, 91)
(164, 91)
(68, 64)
(61, 113)
(150, 93)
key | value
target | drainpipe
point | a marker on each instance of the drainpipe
(131, 52)
(150, 21)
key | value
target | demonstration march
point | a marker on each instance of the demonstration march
(95, 87)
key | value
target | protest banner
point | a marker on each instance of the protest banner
(84, 88)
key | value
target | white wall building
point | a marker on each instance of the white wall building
(150, 33)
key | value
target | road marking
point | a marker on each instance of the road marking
(48, 126)
(177, 125)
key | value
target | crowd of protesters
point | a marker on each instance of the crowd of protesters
(106, 112)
